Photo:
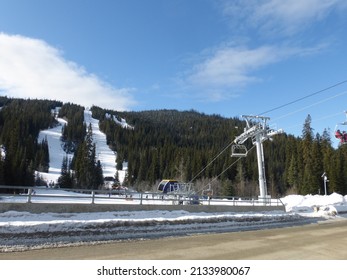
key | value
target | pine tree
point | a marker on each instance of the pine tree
(327, 154)
(240, 178)
(228, 188)
(119, 161)
(116, 178)
(336, 178)
(88, 171)
(99, 178)
(309, 182)
(42, 156)
(293, 173)
(66, 178)
(317, 161)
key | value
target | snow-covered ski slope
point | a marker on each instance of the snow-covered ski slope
(106, 156)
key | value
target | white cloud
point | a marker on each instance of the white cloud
(30, 68)
(231, 66)
(223, 72)
(234, 66)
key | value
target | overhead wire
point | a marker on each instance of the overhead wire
(217, 156)
(225, 170)
(317, 120)
(302, 98)
(311, 105)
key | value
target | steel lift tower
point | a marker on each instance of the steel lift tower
(257, 130)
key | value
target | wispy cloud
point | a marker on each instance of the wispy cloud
(31, 68)
(279, 17)
(230, 67)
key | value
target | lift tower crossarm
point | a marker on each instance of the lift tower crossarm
(248, 118)
(248, 133)
(250, 130)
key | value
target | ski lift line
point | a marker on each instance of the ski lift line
(326, 117)
(304, 97)
(225, 170)
(197, 175)
(312, 105)
(316, 120)
(217, 156)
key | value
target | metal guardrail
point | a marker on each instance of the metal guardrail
(26, 194)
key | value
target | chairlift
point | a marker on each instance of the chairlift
(208, 192)
(239, 151)
(342, 135)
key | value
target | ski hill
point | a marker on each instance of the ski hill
(106, 156)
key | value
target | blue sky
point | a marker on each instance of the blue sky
(214, 56)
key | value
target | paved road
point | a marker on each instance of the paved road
(325, 240)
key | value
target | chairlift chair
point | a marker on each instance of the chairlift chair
(208, 192)
(342, 135)
(239, 151)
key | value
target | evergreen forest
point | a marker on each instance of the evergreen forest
(181, 145)
(165, 144)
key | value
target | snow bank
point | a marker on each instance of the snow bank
(321, 204)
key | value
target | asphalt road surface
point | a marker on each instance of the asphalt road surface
(324, 240)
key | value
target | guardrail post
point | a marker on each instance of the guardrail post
(141, 194)
(29, 195)
(93, 197)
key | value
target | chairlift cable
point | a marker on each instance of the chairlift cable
(217, 156)
(326, 117)
(312, 105)
(226, 169)
(304, 97)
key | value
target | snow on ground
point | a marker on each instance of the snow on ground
(56, 152)
(106, 156)
(25, 231)
(319, 204)
(122, 122)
